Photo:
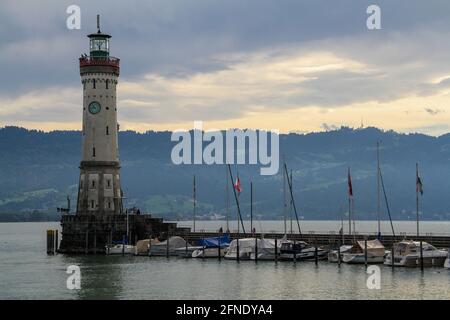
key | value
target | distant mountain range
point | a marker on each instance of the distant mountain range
(38, 170)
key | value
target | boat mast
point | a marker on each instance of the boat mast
(251, 206)
(237, 201)
(387, 203)
(228, 200)
(417, 197)
(290, 206)
(284, 202)
(349, 206)
(378, 190)
(195, 200)
(292, 200)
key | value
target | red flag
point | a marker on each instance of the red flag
(237, 185)
(350, 187)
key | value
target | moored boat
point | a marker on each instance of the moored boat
(333, 255)
(447, 261)
(357, 253)
(246, 247)
(119, 248)
(187, 251)
(212, 247)
(300, 250)
(407, 254)
(168, 247)
(267, 249)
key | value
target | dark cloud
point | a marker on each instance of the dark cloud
(180, 37)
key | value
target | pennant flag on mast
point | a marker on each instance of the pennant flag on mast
(237, 185)
(419, 185)
(350, 187)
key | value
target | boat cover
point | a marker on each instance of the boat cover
(373, 246)
(214, 242)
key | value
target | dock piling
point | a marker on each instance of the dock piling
(123, 245)
(393, 256)
(237, 249)
(295, 253)
(218, 248)
(256, 250)
(316, 257)
(167, 247)
(339, 255)
(276, 250)
(86, 250)
(52, 241)
(421, 255)
(95, 241)
(365, 253)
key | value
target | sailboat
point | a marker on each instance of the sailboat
(301, 250)
(336, 255)
(122, 247)
(210, 247)
(407, 253)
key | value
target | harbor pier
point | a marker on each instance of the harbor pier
(331, 239)
(89, 234)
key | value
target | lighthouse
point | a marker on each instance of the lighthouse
(99, 221)
(99, 184)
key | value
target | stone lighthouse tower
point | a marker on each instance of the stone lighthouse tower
(99, 185)
(99, 221)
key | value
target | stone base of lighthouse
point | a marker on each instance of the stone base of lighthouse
(90, 234)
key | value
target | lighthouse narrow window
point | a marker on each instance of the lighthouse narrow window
(107, 130)
(107, 82)
(92, 204)
(109, 205)
(93, 152)
(93, 83)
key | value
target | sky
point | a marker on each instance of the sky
(289, 65)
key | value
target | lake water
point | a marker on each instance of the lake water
(27, 272)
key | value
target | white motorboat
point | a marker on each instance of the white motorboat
(357, 253)
(208, 252)
(120, 249)
(168, 247)
(333, 255)
(407, 254)
(186, 252)
(300, 250)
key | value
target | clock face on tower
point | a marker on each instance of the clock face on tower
(94, 107)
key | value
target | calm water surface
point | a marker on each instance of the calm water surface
(26, 272)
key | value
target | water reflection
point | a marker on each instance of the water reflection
(101, 276)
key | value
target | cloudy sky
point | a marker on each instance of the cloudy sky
(290, 65)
